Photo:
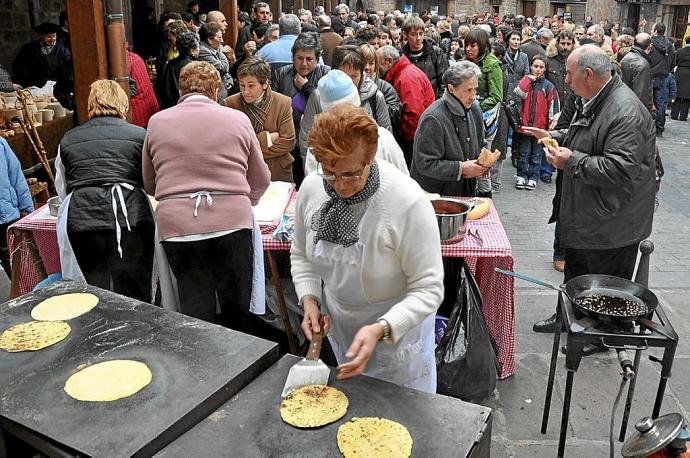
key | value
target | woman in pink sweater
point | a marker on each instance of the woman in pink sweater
(203, 163)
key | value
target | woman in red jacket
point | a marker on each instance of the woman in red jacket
(143, 103)
(539, 105)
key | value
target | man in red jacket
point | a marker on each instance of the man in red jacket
(414, 89)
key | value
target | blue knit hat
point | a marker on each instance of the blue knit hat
(336, 88)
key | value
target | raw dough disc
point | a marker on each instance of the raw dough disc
(374, 436)
(108, 381)
(313, 405)
(64, 307)
(33, 335)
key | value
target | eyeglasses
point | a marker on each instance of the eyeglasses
(353, 176)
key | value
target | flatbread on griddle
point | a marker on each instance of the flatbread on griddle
(312, 406)
(34, 335)
(64, 307)
(108, 381)
(374, 437)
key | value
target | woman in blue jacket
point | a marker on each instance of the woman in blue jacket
(15, 198)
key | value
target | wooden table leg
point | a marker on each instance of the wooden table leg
(275, 279)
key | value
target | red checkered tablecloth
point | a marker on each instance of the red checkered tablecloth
(482, 257)
(38, 228)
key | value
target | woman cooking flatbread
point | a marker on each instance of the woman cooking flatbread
(369, 233)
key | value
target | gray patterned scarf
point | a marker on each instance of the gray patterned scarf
(335, 220)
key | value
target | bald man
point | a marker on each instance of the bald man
(607, 161)
(636, 70)
(219, 18)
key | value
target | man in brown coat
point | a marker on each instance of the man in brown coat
(329, 39)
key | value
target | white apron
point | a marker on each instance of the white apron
(411, 361)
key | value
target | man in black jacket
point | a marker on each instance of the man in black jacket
(424, 55)
(661, 59)
(636, 71)
(607, 162)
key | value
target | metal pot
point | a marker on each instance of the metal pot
(451, 216)
(54, 205)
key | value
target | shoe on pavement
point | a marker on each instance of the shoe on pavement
(587, 350)
(547, 325)
(559, 265)
(520, 184)
(531, 185)
(546, 178)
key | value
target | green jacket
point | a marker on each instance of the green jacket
(490, 89)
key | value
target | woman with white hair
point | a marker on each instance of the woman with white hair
(450, 136)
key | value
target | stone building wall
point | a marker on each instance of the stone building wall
(15, 24)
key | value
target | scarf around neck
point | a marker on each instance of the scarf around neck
(335, 220)
(258, 112)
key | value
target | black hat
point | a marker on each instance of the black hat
(47, 28)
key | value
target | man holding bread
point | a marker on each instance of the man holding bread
(607, 160)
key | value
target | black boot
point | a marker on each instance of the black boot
(547, 325)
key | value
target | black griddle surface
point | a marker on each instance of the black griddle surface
(196, 367)
(249, 425)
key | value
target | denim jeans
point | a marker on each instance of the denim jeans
(546, 169)
(529, 161)
(660, 89)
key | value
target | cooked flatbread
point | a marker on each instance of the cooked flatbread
(313, 405)
(33, 335)
(550, 142)
(374, 436)
(487, 158)
(64, 307)
(108, 381)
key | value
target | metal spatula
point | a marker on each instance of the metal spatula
(311, 370)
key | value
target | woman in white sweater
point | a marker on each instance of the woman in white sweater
(369, 233)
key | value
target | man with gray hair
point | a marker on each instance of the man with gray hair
(607, 161)
(597, 35)
(450, 136)
(636, 70)
(415, 91)
(261, 13)
(280, 51)
(537, 45)
(343, 12)
(329, 39)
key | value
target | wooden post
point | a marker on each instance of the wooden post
(276, 8)
(229, 10)
(297, 5)
(87, 33)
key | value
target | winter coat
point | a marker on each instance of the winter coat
(220, 62)
(555, 72)
(14, 192)
(432, 62)
(329, 41)
(371, 99)
(609, 181)
(637, 74)
(392, 100)
(515, 67)
(490, 88)
(532, 48)
(415, 91)
(540, 102)
(283, 81)
(168, 83)
(448, 134)
(662, 57)
(33, 68)
(95, 155)
(682, 73)
(143, 104)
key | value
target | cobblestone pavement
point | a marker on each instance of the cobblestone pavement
(519, 400)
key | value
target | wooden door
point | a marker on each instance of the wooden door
(529, 8)
(680, 22)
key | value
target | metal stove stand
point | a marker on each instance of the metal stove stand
(657, 333)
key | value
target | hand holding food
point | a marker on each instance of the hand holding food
(487, 158)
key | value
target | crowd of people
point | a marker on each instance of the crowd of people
(363, 112)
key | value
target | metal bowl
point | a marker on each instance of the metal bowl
(54, 205)
(451, 216)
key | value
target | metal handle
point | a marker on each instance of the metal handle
(526, 278)
(624, 347)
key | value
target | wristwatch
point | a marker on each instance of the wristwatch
(386, 330)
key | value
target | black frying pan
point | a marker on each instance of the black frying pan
(613, 288)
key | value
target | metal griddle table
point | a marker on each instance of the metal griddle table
(197, 366)
(250, 424)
